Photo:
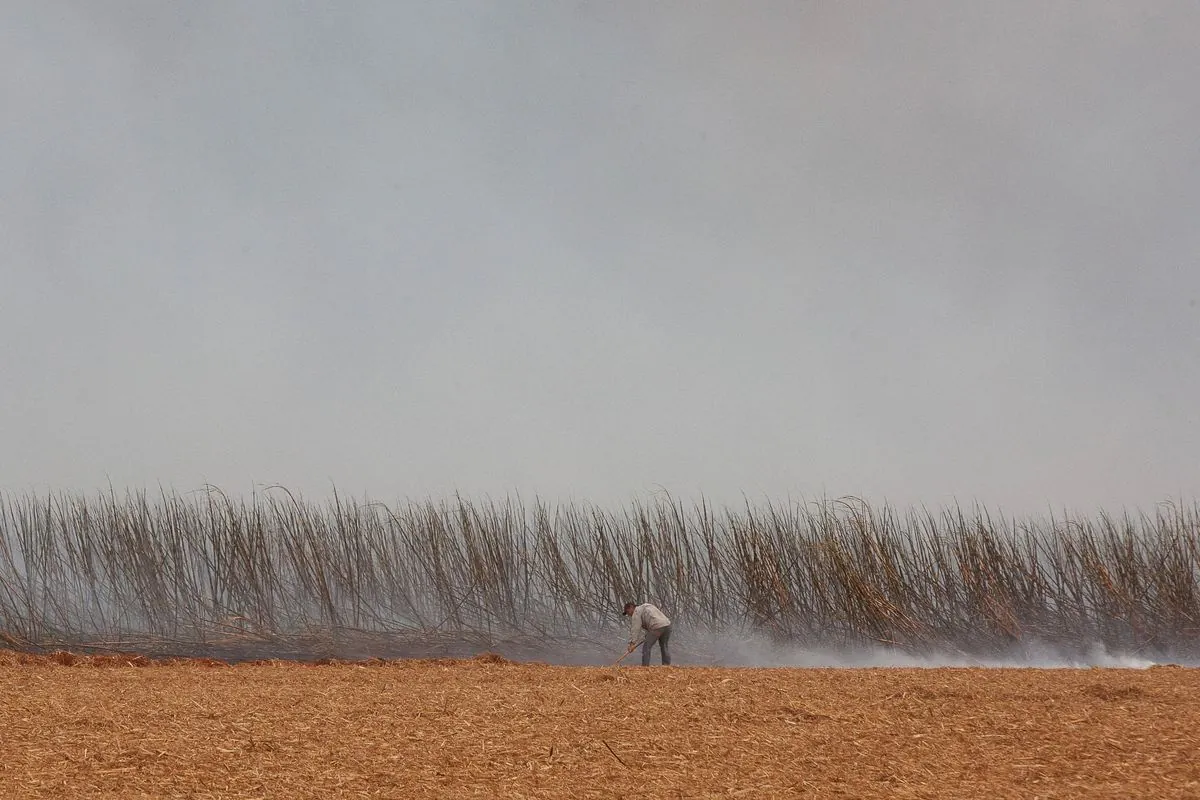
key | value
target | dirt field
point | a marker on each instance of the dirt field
(480, 729)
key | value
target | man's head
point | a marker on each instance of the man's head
(629, 608)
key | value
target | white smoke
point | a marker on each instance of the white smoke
(751, 650)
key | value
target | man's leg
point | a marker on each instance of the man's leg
(647, 646)
(664, 639)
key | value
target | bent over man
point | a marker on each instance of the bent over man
(657, 628)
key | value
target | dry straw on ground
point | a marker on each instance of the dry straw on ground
(488, 728)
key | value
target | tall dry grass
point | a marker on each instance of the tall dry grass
(203, 571)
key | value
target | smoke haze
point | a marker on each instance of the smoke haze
(913, 252)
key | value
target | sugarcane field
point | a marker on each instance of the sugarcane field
(480, 650)
(541, 400)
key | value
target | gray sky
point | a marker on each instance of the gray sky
(912, 251)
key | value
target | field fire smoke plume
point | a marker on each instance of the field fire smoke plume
(922, 253)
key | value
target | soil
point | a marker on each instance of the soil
(124, 726)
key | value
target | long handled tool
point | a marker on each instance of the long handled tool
(627, 652)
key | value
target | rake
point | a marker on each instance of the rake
(622, 658)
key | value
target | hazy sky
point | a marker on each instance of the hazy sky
(913, 251)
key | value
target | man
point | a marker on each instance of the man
(657, 628)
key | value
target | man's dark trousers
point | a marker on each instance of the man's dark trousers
(663, 637)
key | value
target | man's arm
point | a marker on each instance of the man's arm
(635, 627)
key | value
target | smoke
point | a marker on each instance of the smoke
(689, 647)
(702, 647)
(916, 252)
(748, 649)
